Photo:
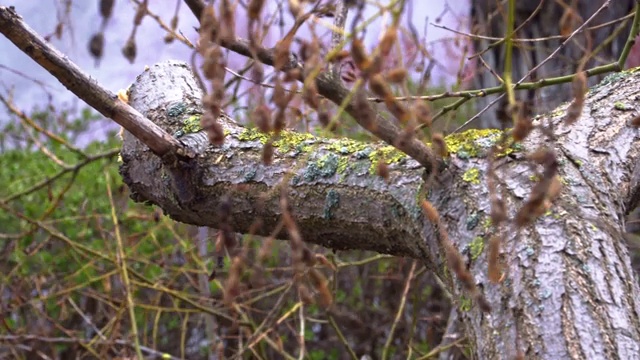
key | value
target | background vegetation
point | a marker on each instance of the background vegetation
(87, 273)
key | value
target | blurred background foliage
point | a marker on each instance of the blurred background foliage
(63, 213)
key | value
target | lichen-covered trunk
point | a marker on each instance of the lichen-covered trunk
(541, 20)
(568, 290)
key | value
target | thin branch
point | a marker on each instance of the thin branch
(73, 78)
(542, 39)
(338, 32)
(614, 66)
(396, 320)
(121, 263)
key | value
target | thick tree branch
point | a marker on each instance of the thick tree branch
(73, 78)
(233, 176)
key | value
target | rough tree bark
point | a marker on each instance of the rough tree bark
(569, 290)
(541, 20)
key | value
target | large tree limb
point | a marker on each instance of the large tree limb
(569, 290)
(329, 213)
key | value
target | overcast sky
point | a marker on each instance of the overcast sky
(116, 73)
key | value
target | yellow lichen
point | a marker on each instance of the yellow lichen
(253, 135)
(290, 140)
(471, 142)
(476, 247)
(343, 162)
(388, 154)
(285, 141)
(465, 304)
(191, 124)
(346, 146)
(472, 176)
(487, 223)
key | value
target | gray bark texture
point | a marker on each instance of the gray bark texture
(488, 18)
(568, 292)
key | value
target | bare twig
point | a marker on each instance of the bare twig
(338, 33)
(403, 301)
(614, 66)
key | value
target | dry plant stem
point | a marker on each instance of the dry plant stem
(42, 147)
(124, 272)
(258, 336)
(521, 85)
(342, 338)
(500, 40)
(396, 320)
(74, 79)
(26, 119)
(203, 284)
(570, 38)
(74, 340)
(92, 254)
(470, 94)
(270, 322)
(302, 351)
(71, 169)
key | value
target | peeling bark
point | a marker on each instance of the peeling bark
(569, 289)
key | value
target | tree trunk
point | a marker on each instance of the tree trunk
(568, 289)
(488, 18)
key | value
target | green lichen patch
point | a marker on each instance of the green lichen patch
(465, 304)
(250, 174)
(476, 247)
(176, 109)
(613, 78)
(473, 220)
(326, 166)
(472, 176)
(331, 203)
(619, 105)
